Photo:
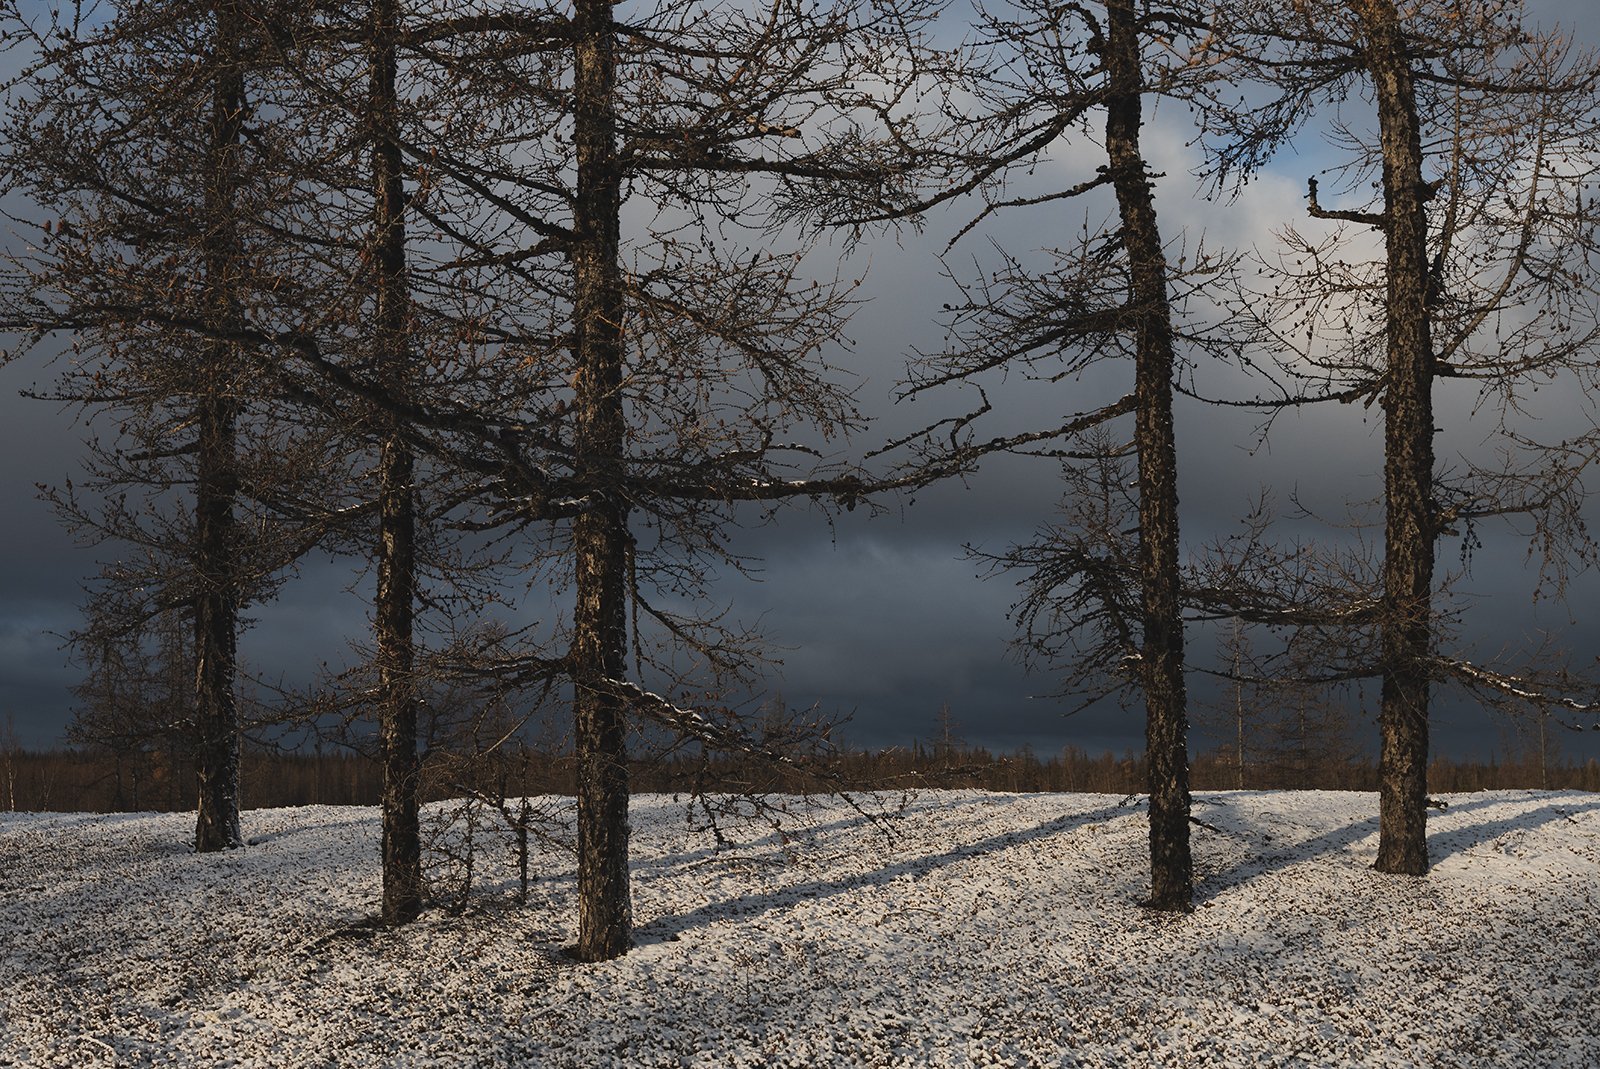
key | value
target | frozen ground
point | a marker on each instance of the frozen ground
(988, 930)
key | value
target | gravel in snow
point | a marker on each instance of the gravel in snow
(962, 929)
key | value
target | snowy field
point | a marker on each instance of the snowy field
(981, 930)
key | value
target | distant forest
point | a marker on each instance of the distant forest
(87, 781)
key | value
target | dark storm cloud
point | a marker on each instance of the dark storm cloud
(34, 674)
(882, 617)
(41, 567)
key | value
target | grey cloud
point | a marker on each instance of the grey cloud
(881, 615)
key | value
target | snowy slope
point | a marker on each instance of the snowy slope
(982, 930)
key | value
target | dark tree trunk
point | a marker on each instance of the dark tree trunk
(1166, 725)
(600, 534)
(1408, 454)
(216, 550)
(392, 623)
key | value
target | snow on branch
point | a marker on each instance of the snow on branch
(1523, 688)
(692, 723)
(768, 129)
(730, 737)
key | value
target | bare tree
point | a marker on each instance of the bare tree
(149, 190)
(258, 226)
(584, 379)
(1482, 155)
(685, 374)
(1111, 293)
(216, 607)
(397, 581)
(1284, 723)
(1228, 713)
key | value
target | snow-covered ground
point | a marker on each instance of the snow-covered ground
(980, 930)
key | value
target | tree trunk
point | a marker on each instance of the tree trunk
(1166, 726)
(600, 534)
(216, 548)
(1238, 699)
(1408, 454)
(392, 623)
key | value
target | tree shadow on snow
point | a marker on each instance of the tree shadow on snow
(1330, 845)
(1277, 857)
(1447, 842)
(801, 831)
(670, 926)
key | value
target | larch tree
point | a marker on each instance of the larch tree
(130, 134)
(1282, 731)
(291, 235)
(216, 606)
(397, 570)
(690, 360)
(346, 287)
(1161, 655)
(1107, 294)
(1480, 152)
(616, 361)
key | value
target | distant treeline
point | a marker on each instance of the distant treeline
(92, 781)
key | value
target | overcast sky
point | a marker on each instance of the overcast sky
(884, 617)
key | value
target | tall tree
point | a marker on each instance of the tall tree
(1408, 448)
(616, 400)
(1108, 294)
(582, 378)
(684, 373)
(344, 113)
(129, 135)
(1483, 146)
(397, 581)
(599, 534)
(216, 608)
(1161, 658)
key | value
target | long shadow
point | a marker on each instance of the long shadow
(1446, 843)
(807, 832)
(1488, 798)
(1276, 860)
(289, 831)
(1442, 843)
(752, 905)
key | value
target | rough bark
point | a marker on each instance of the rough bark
(600, 534)
(1161, 663)
(1408, 453)
(216, 605)
(215, 617)
(392, 623)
